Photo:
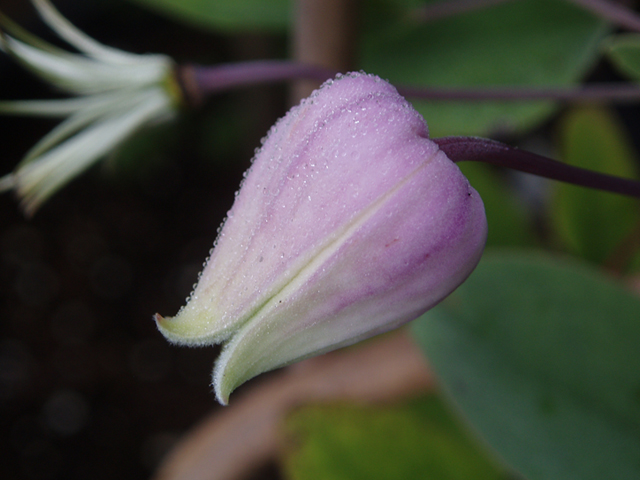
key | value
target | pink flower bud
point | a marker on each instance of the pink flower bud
(350, 223)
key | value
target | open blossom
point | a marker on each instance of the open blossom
(350, 222)
(115, 92)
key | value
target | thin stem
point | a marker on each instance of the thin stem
(607, 9)
(475, 149)
(199, 81)
(618, 92)
(612, 11)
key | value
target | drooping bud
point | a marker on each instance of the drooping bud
(350, 223)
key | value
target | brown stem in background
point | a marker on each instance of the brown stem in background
(324, 36)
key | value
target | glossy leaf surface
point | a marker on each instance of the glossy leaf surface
(541, 354)
(528, 43)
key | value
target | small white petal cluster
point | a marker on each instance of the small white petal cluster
(115, 93)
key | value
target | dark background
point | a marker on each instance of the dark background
(88, 387)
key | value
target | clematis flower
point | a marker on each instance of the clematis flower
(350, 222)
(116, 93)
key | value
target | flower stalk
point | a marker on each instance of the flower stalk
(460, 149)
(206, 80)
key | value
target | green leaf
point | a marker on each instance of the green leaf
(510, 224)
(526, 43)
(591, 223)
(624, 52)
(226, 15)
(541, 355)
(417, 440)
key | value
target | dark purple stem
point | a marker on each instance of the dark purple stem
(607, 9)
(475, 149)
(199, 81)
(620, 92)
(240, 74)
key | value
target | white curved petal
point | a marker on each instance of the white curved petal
(79, 39)
(82, 75)
(52, 108)
(40, 178)
(99, 107)
(119, 92)
(8, 182)
(95, 49)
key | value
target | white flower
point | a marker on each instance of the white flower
(116, 93)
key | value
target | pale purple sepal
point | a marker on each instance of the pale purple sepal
(350, 223)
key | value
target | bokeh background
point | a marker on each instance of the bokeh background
(88, 386)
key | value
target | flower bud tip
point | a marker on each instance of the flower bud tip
(350, 222)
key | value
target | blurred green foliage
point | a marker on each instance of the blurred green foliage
(624, 52)
(415, 440)
(525, 43)
(541, 354)
(510, 221)
(226, 15)
(594, 224)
